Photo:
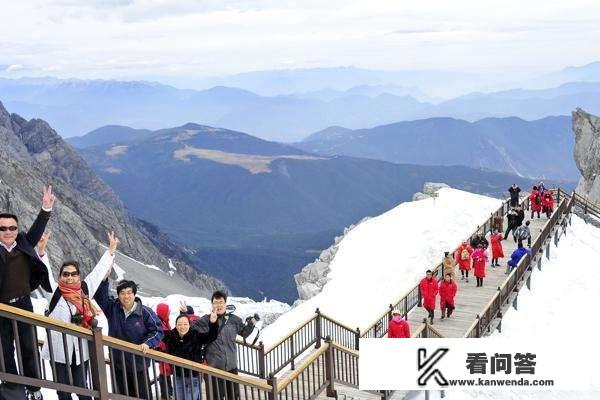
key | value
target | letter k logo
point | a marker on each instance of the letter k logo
(426, 367)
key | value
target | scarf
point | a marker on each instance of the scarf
(74, 295)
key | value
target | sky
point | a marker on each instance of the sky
(144, 39)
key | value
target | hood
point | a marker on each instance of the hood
(162, 310)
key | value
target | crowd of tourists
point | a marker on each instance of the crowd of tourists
(475, 253)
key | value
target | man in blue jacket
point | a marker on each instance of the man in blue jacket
(516, 256)
(130, 320)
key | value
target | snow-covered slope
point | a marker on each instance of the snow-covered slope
(383, 257)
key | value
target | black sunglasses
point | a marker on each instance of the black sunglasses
(68, 274)
(8, 228)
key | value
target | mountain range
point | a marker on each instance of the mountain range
(535, 149)
(296, 103)
(254, 212)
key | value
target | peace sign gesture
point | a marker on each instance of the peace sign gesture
(41, 245)
(113, 242)
(48, 198)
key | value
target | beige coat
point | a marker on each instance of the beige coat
(448, 264)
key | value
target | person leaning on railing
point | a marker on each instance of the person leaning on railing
(187, 343)
(222, 352)
(21, 272)
(70, 302)
(130, 320)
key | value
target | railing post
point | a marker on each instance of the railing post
(329, 368)
(98, 368)
(356, 339)
(390, 312)
(272, 380)
(292, 355)
(548, 250)
(425, 330)
(318, 332)
(261, 360)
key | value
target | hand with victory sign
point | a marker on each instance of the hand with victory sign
(48, 198)
(113, 242)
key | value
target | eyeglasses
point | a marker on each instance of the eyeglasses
(8, 228)
(68, 274)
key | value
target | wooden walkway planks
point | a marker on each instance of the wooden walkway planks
(471, 300)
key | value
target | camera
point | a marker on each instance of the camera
(77, 319)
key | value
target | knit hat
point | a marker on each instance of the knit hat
(396, 312)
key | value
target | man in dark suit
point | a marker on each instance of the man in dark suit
(21, 272)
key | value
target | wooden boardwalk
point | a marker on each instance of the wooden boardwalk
(471, 300)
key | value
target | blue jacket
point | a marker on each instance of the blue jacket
(516, 256)
(141, 326)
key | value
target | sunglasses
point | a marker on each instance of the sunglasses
(8, 228)
(68, 274)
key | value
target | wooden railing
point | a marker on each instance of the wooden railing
(103, 383)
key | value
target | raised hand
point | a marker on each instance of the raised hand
(183, 306)
(41, 246)
(113, 242)
(213, 316)
(48, 198)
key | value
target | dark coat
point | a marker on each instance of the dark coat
(141, 326)
(26, 243)
(514, 195)
(190, 345)
(520, 217)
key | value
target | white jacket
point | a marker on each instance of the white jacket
(64, 310)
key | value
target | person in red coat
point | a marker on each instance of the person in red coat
(497, 250)
(448, 290)
(463, 259)
(399, 327)
(535, 201)
(165, 369)
(548, 203)
(429, 290)
(479, 261)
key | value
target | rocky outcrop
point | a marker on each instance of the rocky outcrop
(430, 189)
(587, 153)
(32, 155)
(312, 278)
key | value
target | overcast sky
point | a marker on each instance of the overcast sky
(138, 39)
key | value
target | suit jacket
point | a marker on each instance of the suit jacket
(26, 242)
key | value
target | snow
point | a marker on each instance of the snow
(561, 304)
(385, 256)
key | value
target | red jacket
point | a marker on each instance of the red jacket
(447, 293)
(399, 327)
(479, 261)
(548, 201)
(463, 264)
(533, 201)
(496, 241)
(429, 289)
(162, 311)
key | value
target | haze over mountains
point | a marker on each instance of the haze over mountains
(252, 211)
(293, 104)
(535, 149)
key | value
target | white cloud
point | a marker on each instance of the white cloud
(137, 38)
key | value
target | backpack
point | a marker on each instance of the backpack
(464, 254)
(538, 199)
(57, 295)
(521, 233)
